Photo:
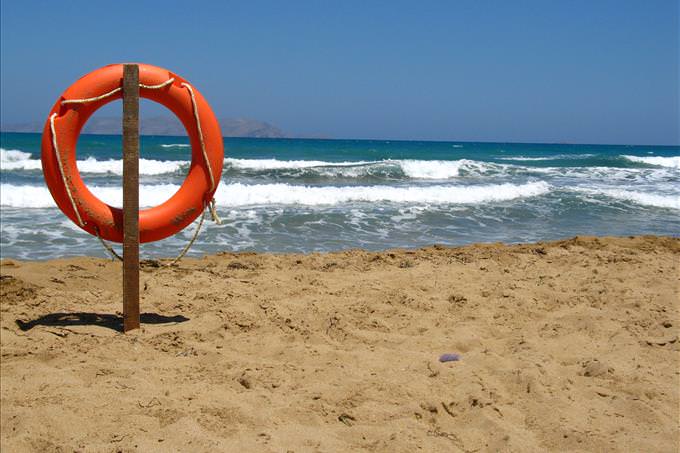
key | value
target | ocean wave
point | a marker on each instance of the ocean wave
(262, 194)
(430, 170)
(671, 162)
(275, 164)
(642, 198)
(237, 194)
(176, 145)
(22, 196)
(645, 175)
(416, 169)
(555, 157)
(146, 166)
(382, 170)
(8, 156)
(438, 169)
(19, 160)
(390, 169)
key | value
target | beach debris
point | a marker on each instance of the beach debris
(60, 333)
(245, 381)
(149, 263)
(152, 402)
(447, 409)
(457, 299)
(329, 266)
(429, 407)
(661, 341)
(449, 358)
(118, 437)
(433, 373)
(539, 251)
(346, 419)
(602, 392)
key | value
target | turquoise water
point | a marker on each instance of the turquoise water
(289, 195)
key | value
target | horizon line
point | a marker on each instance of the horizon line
(388, 140)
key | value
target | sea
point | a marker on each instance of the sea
(304, 195)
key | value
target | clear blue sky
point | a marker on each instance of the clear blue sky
(528, 71)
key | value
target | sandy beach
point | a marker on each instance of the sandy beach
(564, 346)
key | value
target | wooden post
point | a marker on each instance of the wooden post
(130, 197)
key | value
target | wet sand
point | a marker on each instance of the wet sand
(564, 346)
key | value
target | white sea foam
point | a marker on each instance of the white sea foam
(262, 194)
(25, 196)
(433, 169)
(21, 196)
(448, 169)
(643, 198)
(672, 161)
(232, 195)
(21, 164)
(115, 166)
(16, 160)
(8, 156)
(19, 160)
(555, 157)
(176, 145)
(647, 175)
(417, 169)
(275, 164)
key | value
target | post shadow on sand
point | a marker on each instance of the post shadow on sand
(114, 322)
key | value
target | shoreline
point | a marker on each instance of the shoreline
(151, 262)
(564, 345)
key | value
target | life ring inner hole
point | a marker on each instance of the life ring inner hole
(164, 160)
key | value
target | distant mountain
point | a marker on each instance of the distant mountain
(161, 125)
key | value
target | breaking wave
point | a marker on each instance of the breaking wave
(20, 160)
(671, 162)
(641, 198)
(238, 194)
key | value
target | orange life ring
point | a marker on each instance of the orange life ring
(95, 216)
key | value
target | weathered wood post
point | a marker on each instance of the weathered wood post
(130, 197)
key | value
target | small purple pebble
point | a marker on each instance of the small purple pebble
(449, 358)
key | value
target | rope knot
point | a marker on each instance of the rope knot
(213, 212)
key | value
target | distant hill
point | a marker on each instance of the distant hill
(160, 125)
